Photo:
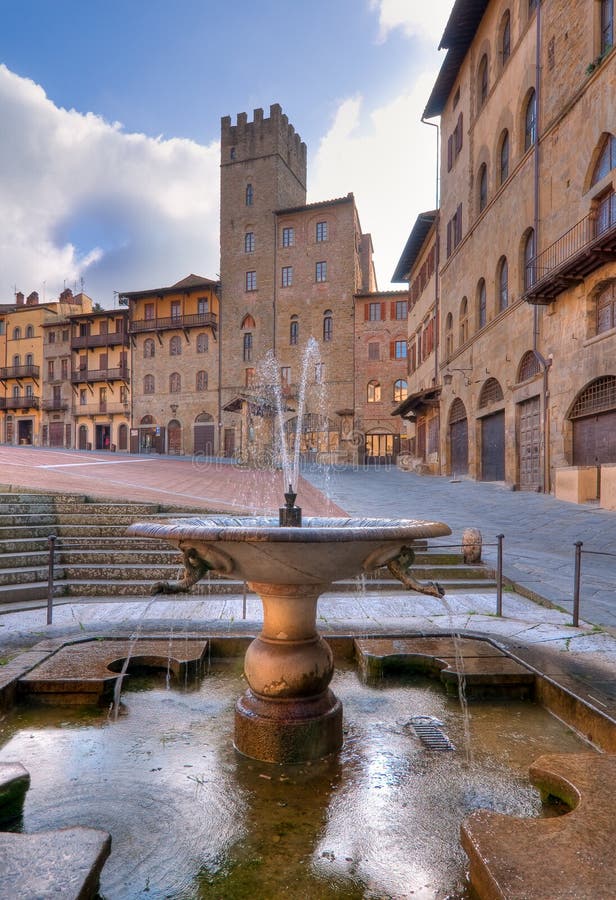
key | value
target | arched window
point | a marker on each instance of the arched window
(449, 335)
(147, 420)
(16, 361)
(16, 333)
(463, 320)
(175, 383)
(201, 381)
(483, 186)
(30, 331)
(503, 283)
(202, 342)
(148, 384)
(503, 157)
(149, 348)
(29, 359)
(248, 322)
(294, 330)
(491, 392)
(482, 81)
(606, 160)
(374, 392)
(249, 242)
(529, 259)
(328, 325)
(400, 390)
(529, 366)
(249, 195)
(530, 121)
(505, 38)
(606, 308)
(481, 303)
(175, 345)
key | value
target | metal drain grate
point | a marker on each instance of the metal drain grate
(428, 730)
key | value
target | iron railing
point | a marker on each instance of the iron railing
(20, 401)
(188, 321)
(121, 373)
(85, 341)
(29, 371)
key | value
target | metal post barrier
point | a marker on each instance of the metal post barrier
(499, 575)
(52, 548)
(577, 574)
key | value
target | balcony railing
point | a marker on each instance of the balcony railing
(19, 372)
(109, 408)
(85, 341)
(86, 375)
(579, 251)
(208, 319)
(55, 405)
(20, 401)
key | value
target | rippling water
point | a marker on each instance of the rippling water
(190, 818)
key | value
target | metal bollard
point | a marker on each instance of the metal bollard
(577, 575)
(499, 575)
(52, 548)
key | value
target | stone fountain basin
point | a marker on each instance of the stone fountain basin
(322, 550)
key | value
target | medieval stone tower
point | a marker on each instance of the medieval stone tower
(263, 169)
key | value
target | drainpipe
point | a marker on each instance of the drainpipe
(545, 364)
(436, 265)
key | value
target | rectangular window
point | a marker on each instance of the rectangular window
(399, 348)
(249, 242)
(248, 347)
(52, 337)
(119, 326)
(65, 334)
(402, 309)
(374, 312)
(288, 237)
(148, 311)
(103, 326)
(607, 25)
(321, 231)
(175, 309)
(373, 350)
(249, 376)
(251, 281)
(64, 368)
(287, 276)
(83, 397)
(321, 271)
(50, 370)
(285, 376)
(203, 306)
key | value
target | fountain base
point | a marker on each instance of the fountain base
(288, 731)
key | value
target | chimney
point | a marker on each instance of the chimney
(33, 299)
(19, 298)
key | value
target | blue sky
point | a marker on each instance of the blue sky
(111, 115)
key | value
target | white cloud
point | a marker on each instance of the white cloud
(82, 198)
(423, 20)
(387, 157)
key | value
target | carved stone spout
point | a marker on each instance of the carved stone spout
(399, 568)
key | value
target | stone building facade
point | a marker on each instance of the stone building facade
(100, 379)
(527, 240)
(174, 380)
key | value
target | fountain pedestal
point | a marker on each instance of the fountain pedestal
(288, 714)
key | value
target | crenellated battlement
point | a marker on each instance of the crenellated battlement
(246, 140)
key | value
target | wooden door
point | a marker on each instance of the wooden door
(594, 439)
(204, 438)
(458, 439)
(529, 444)
(493, 447)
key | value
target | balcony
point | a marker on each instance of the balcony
(20, 401)
(205, 320)
(57, 405)
(19, 372)
(108, 408)
(82, 376)
(87, 341)
(588, 245)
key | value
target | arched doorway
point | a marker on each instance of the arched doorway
(593, 416)
(458, 438)
(123, 437)
(151, 436)
(382, 448)
(174, 437)
(82, 437)
(204, 434)
(492, 433)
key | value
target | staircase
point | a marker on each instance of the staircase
(94, 558)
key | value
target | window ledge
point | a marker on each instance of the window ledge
(599, 337)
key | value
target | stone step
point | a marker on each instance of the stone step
(34, 590)
(13, 577)
(76, 544)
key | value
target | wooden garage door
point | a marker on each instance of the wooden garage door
(493, 447)
(594, 439)
(529, 444)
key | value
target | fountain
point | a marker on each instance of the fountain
(288, 714)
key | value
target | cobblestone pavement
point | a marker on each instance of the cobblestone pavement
(540, 531)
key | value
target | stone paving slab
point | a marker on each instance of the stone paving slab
(568, 857)
(65, 863)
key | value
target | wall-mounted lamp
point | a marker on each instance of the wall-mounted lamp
(448, 377)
